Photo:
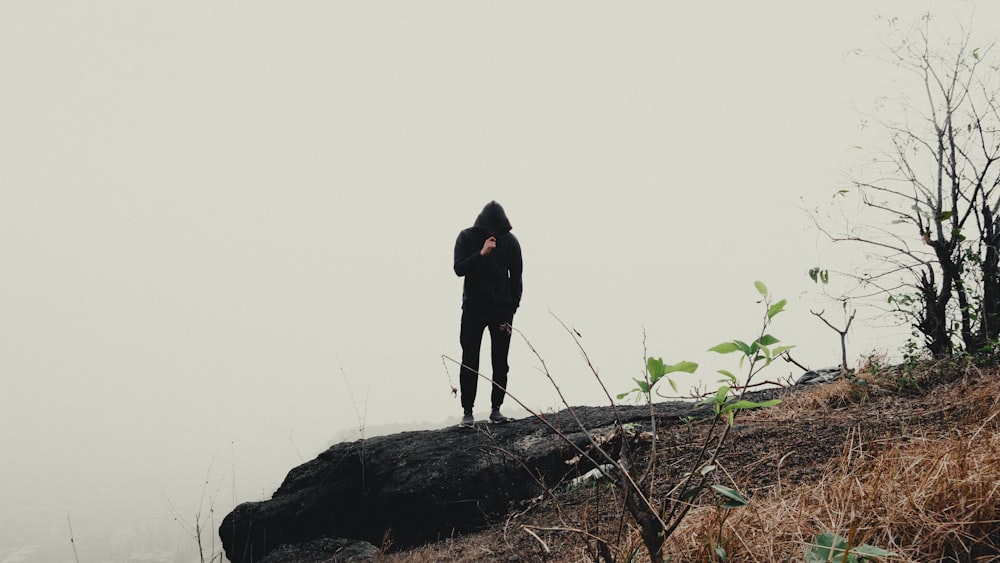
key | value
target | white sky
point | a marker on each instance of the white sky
(215, 217)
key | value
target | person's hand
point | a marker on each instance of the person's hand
(488, 246)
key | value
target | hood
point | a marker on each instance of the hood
(492, 218)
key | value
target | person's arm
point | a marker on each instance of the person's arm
(516, 268)
(467, 252)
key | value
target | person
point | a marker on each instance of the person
(488, 256)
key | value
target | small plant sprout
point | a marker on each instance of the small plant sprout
(760, 353)
(656, 370)
(731, 498)
(829, 547)
(658, 521)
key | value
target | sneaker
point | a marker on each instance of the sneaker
(467, 421)
(497, 418)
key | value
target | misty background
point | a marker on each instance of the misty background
(226, 229)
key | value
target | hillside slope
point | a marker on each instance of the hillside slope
(903, 459)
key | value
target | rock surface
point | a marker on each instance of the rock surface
(412, 488)
(815, 377)
(324, 550)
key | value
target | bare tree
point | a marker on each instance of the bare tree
(935, 184)
(842, 333)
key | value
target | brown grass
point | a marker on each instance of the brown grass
(928, 499)
(910, 464)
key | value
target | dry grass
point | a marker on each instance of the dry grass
(917, 473)
(823, 398)
(927, 499)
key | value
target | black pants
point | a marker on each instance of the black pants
(471, 337)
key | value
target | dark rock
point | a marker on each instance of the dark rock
(324, 550)
(813, 377)
(412, 488)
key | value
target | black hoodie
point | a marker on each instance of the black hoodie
(491, 281)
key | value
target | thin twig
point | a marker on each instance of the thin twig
(534, 535)
(72, 540)
(562, 529)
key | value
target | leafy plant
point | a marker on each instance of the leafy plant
(656, 370)
(829, 547)
(759, 353)
(731, 497)
(630, 459)
(658, 523)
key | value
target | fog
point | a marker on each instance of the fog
(226, 229)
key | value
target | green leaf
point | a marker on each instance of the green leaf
(767, 340)
(706, 470)
(872, 551)
(831, 547)
(824, 548)
(725, 348)
(691, 493)
(717, 400)
(761, 288)
(780, 350)
(685, 367)
(655, 368)
(720, 552)
(722, 394)
(728, 374)
(621, 396)
(767, 353)
(945, 215)
(734, 498)
(643, 386)
(745, 405)
(744, 347)
(776, 308)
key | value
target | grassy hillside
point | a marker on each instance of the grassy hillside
(907, 460)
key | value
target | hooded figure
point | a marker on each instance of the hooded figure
(489, 257)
